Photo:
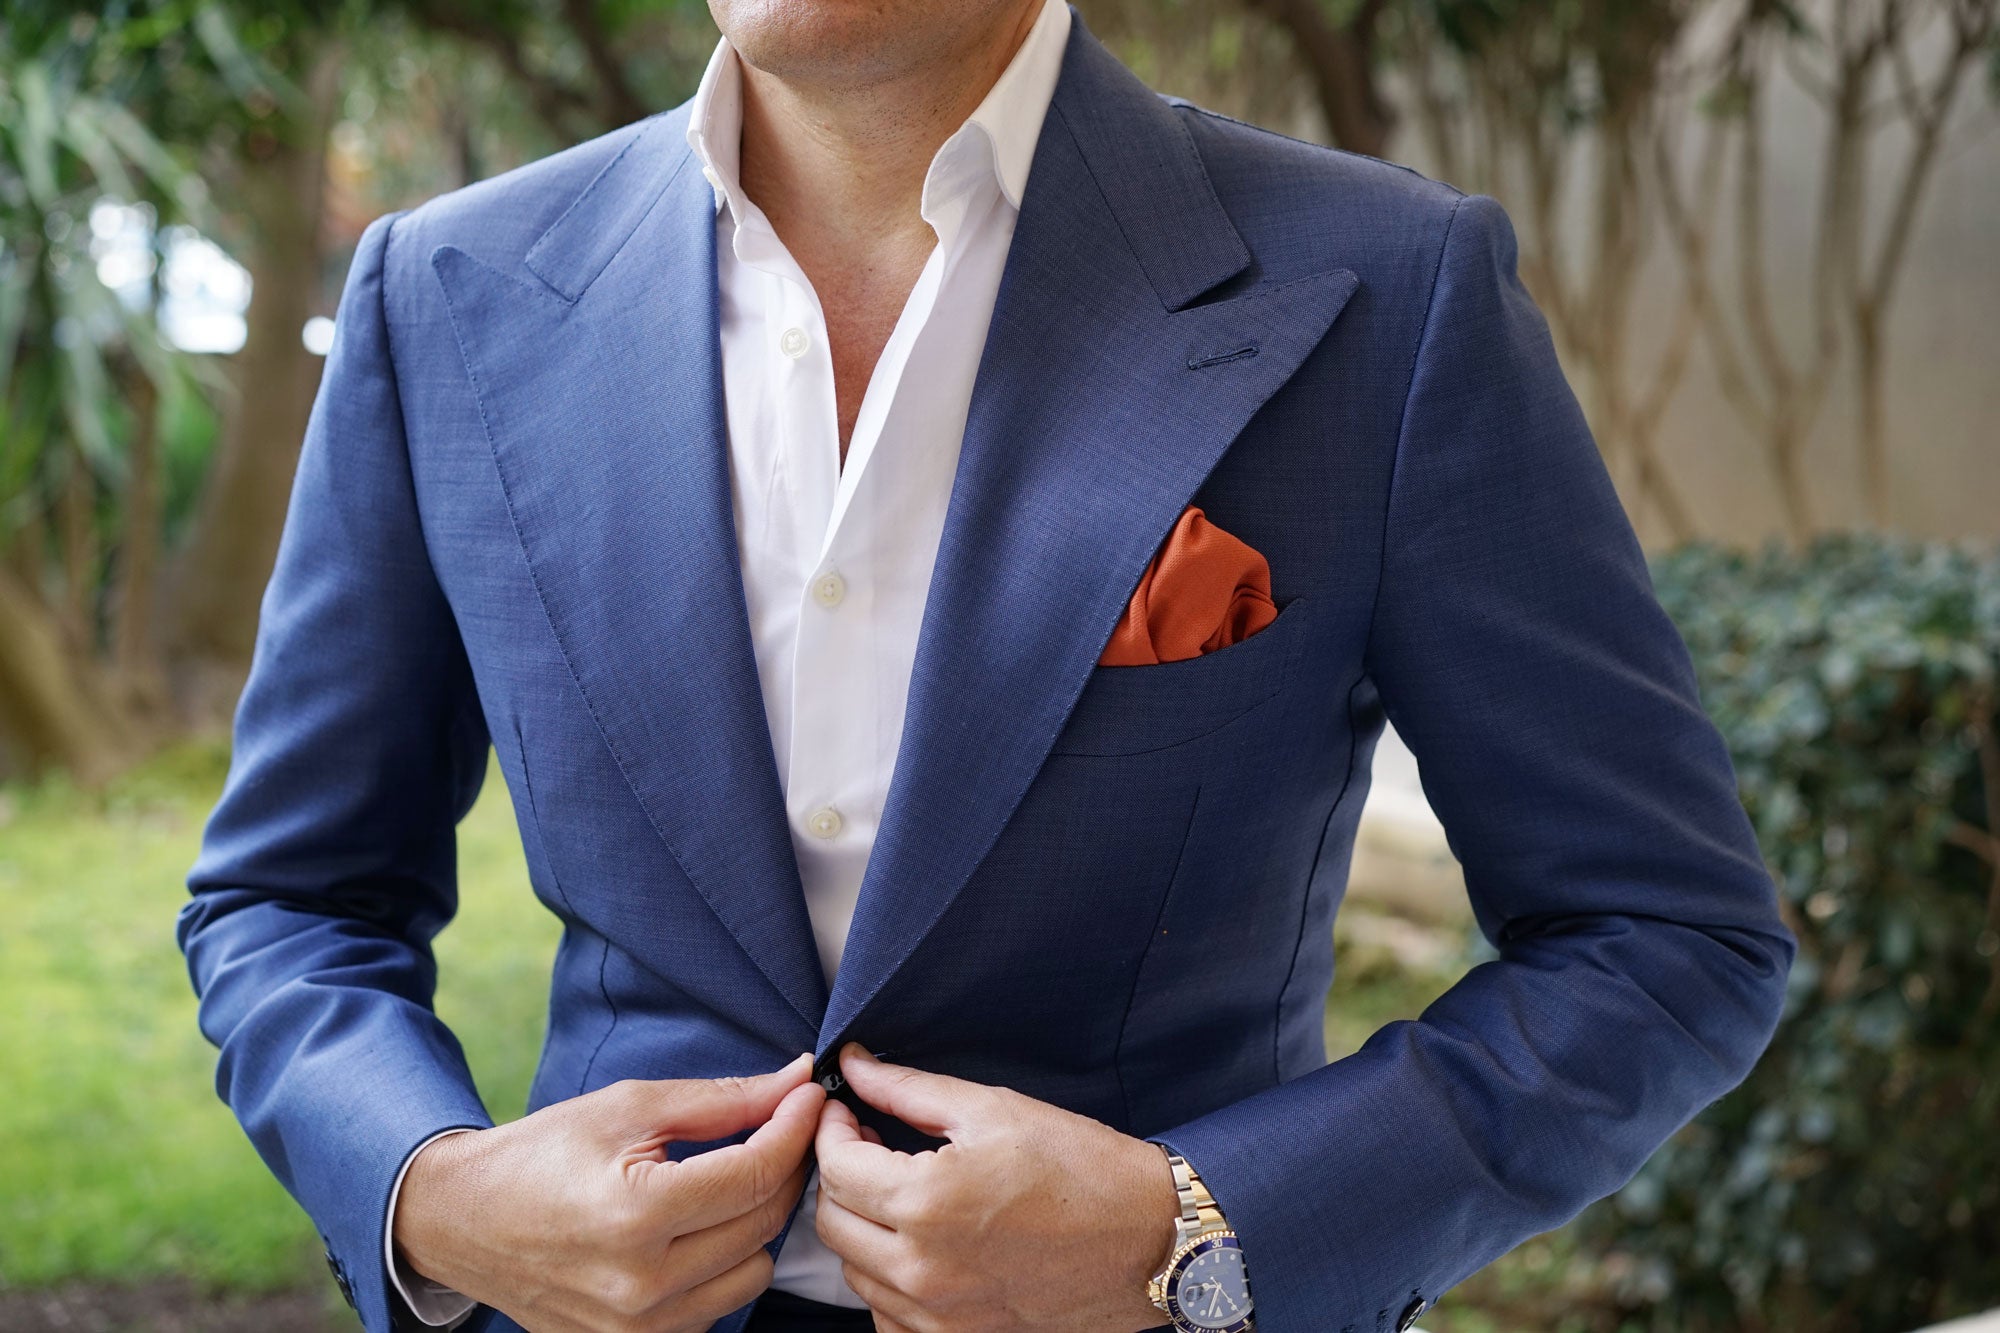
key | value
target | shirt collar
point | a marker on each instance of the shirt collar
(1007, 122)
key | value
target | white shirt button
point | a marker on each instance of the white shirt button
(714, 177)
(829, 588)
(794, 343)
(823, 822)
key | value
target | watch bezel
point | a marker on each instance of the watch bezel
(1177, 1266)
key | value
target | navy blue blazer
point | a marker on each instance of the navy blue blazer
(1110, 888)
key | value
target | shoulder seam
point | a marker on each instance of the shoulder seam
(396, 387)
(1424, 328)
(1402, 423)
(389, 329)
(1333, 149)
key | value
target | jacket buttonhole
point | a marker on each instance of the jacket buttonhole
(1203, 362)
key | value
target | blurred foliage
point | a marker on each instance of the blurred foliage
(165, 103)
(68, 138)
(212, 78)
(1852, 1184)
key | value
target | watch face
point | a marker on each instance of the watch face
(1210, 1290)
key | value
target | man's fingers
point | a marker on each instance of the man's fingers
(731, 1290)
(699, 1109)
(884, 1301)
(933, 1103)
(860, 1173)
(837, 1126)
(868, 1246)
(712, 1187)
(700, 1255)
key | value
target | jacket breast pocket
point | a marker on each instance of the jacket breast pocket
(1134, 709)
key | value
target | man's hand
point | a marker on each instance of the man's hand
(573, 1219)
(1030, 1217)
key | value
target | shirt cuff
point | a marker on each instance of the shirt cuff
(432, 1303)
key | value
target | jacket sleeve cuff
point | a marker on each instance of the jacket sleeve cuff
(433, 1303)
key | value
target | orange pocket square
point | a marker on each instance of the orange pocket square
(1205, 589)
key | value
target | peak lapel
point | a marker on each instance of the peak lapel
(1105, 396)
(600, 383)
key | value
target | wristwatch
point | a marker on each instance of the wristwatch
(1204, 1288)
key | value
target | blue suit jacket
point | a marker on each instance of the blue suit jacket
(1109, 888)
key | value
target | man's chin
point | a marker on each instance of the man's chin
(852, 43)
(822, 40)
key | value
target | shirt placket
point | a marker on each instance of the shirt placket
(827, 785)
(834, 780)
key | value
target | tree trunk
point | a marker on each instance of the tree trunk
(135, 593)
(52, 712)
(1870, 384)
(76, 539)
(1341, 61)
(1786, 443)
(218, 581)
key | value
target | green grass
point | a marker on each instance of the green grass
(117, 1160)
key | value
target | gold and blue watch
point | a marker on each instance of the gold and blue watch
(1205, 1287)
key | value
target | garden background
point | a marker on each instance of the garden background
(1764, 233)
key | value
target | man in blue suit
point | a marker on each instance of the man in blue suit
(765, 481)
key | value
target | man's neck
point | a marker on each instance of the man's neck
(839, 168)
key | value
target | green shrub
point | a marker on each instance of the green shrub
(1852, 1184)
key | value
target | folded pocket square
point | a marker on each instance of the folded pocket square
(1204, 589)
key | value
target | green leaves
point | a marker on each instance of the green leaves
(64, 146)
(254, 81)
(32, 141)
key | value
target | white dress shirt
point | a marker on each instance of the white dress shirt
(837, 559)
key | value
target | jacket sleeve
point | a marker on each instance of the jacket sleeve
(330, 861)
(1518, 648)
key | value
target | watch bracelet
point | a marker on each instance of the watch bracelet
(1199, 1211)
(1199, 1215)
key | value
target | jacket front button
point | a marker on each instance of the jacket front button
(1411, 1313)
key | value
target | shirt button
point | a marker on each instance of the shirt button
(713, 176)
(794, 343)
(829, 588)
(823, 822)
